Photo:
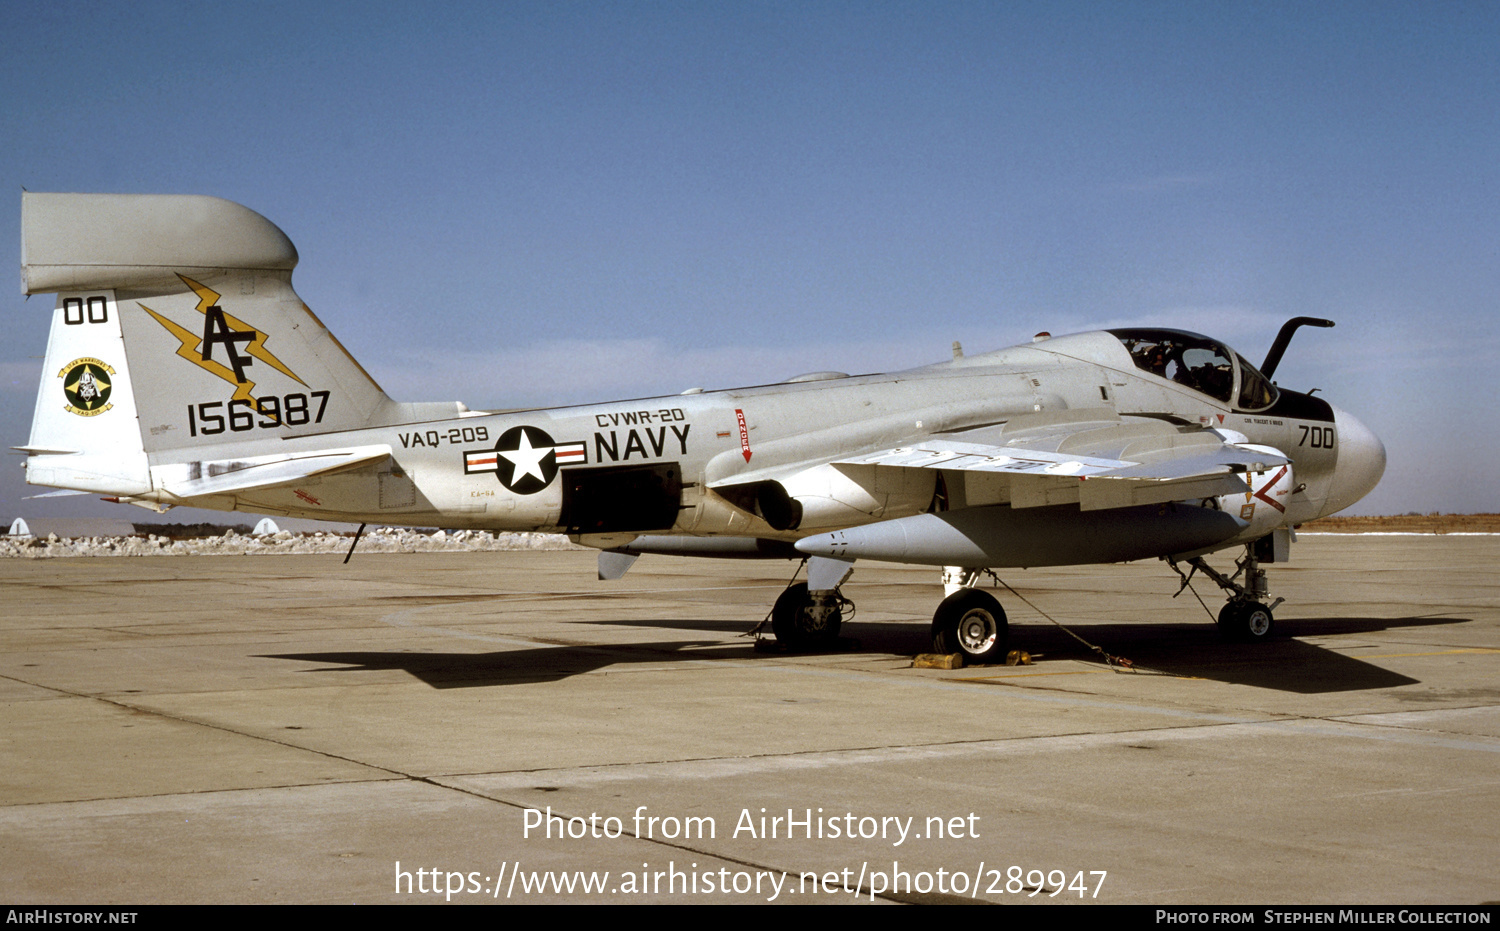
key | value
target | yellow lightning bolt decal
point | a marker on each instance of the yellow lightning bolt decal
(189, 350)
(192, 343)
(207, 298)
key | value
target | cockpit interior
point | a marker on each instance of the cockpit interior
(1200, 363)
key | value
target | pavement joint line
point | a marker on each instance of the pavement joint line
(818, 759)
(958, 683)
(34, 685)
(193, 793)
(1417, 790)
(1395, 733)
(127, 706)
(1433, 653)
(1411, 711)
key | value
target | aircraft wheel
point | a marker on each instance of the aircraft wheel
(971, 622)
(801, 624)
(1246, 620)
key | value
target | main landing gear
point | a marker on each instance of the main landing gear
(969, 621)
(804, 620)
(972, 623)
(1245, 616)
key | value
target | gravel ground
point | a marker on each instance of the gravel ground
(380, 540)
(398, 540)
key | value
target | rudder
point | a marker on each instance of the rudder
(85, 433)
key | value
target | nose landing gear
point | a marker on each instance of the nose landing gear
(1246, 616)
(1246, 620)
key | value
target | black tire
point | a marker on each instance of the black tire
(797, 626)
(1248, 621)
(971, 622)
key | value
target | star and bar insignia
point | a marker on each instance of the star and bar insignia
(525, 459)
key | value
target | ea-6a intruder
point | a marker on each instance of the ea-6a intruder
(182, 369)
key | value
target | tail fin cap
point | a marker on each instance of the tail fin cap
(74, 242)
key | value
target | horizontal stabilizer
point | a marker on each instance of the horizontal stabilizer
(233, 476)
(43, 451)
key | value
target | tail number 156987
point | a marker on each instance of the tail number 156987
(292, 410)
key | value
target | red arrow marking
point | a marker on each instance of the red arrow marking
(744, 433)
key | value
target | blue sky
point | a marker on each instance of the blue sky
(531, 203)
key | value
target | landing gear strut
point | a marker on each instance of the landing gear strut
(1246, 616)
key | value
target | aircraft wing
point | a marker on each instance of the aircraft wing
(1110, 462)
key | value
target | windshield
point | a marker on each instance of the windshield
(1199, 363)
(1256, 391)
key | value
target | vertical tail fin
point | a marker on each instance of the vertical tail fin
(239, 356)
(85, 433)
(176, 327)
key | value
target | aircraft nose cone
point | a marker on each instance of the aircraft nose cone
(1360, 465)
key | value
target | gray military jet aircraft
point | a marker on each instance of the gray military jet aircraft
(183, 369)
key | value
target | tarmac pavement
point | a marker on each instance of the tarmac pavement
(292, 729)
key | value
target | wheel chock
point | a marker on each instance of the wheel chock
(938, 661)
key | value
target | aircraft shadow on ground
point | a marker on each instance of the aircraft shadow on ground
(514, 667)
(1283, 664)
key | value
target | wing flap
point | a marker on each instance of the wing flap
(1123, 493)
(975, 457)
(1098, 465)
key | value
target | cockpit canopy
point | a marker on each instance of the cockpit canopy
(1199, 363)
